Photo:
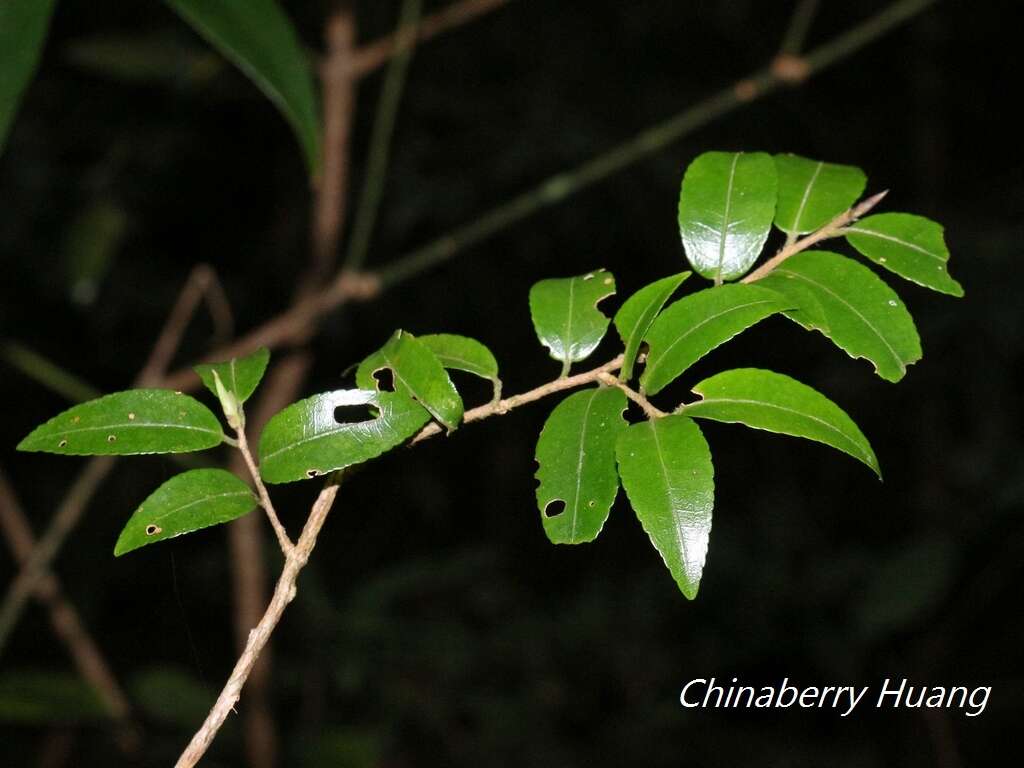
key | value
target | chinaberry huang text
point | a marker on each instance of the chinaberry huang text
(709, 693)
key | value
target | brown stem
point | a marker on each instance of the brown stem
(374, 55)
(834, 228)
(645, 405)
(284, 593)
(261, 492)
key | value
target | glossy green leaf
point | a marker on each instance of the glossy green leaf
(418, 373)
(23, 25)
(187, 502)
(726, 208)
(306, 439)
(135, 421)
(911, 246)
(239, 375)
(576, 454)
(461, 353)
(258, 38)
(666, 469)
(566, 317)
(634, 318)
(851, 305)
(776, 403)
(696, 324)
(812, 193)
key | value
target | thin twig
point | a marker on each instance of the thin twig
(645, 405)
(339, 94)
(373, 55)
(261, 491)
(284, 593)
(380, 139)
(835, 228)
(799, 25)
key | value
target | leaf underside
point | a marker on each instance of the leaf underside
(665, 466)
(576, 458)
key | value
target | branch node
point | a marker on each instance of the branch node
(790, 68)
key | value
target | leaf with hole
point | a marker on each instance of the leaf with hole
(239, 375)
(851, 305)
(726, 206)
(665, 466)
(461, 353)
(776, 403)
(258, 37)
(911, 246)
(812, 193)
(696, 324)
(417, 373)
(307, 439)
(130, 422)
(23, 25)
(576, 458)
(634, 318)
(565, 314)
(196, 499)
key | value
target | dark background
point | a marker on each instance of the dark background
(435, 624)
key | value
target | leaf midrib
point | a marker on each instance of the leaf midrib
(807, 194)
(894, 239)
(725, 217)
(203, 501)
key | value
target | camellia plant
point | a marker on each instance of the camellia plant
(591, 442)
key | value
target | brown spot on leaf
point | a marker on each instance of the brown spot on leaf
(111, 438)
(153, 530)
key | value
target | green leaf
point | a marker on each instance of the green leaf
(418, 373)
(634, 318)
(134, 421)
(36, 697)
(461, 353)
(23, 25)
(776, 403)
(665, 465)
(725, 211)
(258, 38)
(306, 440)
(851, 305)
(187, 502)
(566, 317)
(239, 375)
(911, 246)
(696, 324)
(576, 454)
(812, 193)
